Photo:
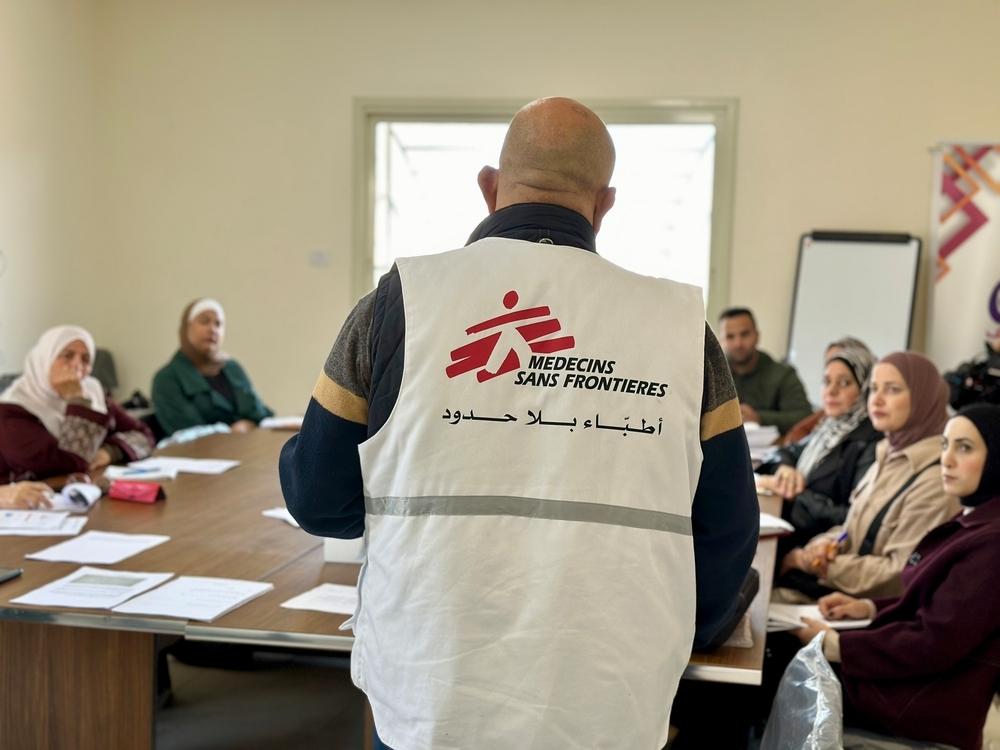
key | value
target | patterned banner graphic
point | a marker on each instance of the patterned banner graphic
(965, 240)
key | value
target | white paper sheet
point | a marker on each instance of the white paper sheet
(99, 548)
(281, 423)
(77, 497)
(196, 598)
(92, 587)
(187, 465)
(281, 514)
(772, 525)
(145, 473)
(327, 597)
(789, 617)
(31, 519)
(71, 526)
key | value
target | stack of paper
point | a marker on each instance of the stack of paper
(327, 597)
(761, 440)
(99, 548)
(281, 423)
(281, 514)
(39, 523)
(789, 617)
(187, 465)
(92, 587)
(774, 526)
(196, 598)
(143, 474)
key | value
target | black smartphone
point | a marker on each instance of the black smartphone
(8, 573)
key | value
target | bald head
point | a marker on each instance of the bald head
(556, 151)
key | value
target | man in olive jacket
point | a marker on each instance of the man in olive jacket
(770, 392)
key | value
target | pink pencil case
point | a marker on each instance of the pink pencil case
(137, 492)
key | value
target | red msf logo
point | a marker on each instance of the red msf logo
(497, 353)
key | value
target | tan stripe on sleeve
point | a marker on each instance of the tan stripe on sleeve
(339, 401)
(721, 419)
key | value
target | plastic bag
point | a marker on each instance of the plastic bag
(808, 710)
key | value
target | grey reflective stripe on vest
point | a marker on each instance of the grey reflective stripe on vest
(528, 507)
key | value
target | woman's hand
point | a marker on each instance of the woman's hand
(838, 606)
(794, 560)
(809, 630)
(818, 554)
(26, 495)
(65, 380)
(788, 482)
(243, 425)
(102, 459)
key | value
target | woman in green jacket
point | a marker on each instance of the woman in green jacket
(201, 384)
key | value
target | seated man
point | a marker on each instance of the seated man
(770, 392)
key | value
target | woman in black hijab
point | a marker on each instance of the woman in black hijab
(929, 664)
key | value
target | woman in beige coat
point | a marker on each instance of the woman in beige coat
(897, 502)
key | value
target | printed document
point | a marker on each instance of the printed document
(196, 598)
(152, 473)
(186, 465)
(327, 597)
(789, 617)
(281, 423)
(99, 548)
(92, 587)
(70, 526)
(77, 497)
(281, 514)
(774, 526)
(31, 519)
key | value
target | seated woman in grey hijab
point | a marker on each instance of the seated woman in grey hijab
(817, 475)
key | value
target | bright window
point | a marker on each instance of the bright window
(665, 221)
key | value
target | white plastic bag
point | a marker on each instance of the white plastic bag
(808, 710)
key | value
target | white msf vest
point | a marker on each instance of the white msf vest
(529, 580)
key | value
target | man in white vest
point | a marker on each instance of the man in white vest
(545, 456)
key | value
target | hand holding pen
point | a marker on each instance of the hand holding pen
(825, 551)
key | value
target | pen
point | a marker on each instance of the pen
(834, 547)
(146, 470)
(831, 549)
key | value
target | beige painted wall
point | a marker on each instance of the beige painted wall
(226, 137)
(48, 197)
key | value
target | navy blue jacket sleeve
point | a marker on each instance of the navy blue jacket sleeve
(725, 515)
(320, 475)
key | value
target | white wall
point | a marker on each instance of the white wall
(48, 199)
(226, 137)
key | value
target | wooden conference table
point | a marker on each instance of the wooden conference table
(79, 678)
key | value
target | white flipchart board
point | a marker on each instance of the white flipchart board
(851, 284)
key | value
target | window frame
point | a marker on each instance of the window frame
(720, 112)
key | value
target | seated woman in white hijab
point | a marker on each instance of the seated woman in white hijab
(54, 418)
(201, 384)
(25, 495)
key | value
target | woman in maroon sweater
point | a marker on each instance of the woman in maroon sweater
(929, 664)
(55, 420)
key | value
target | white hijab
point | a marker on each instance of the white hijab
(33, 391)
